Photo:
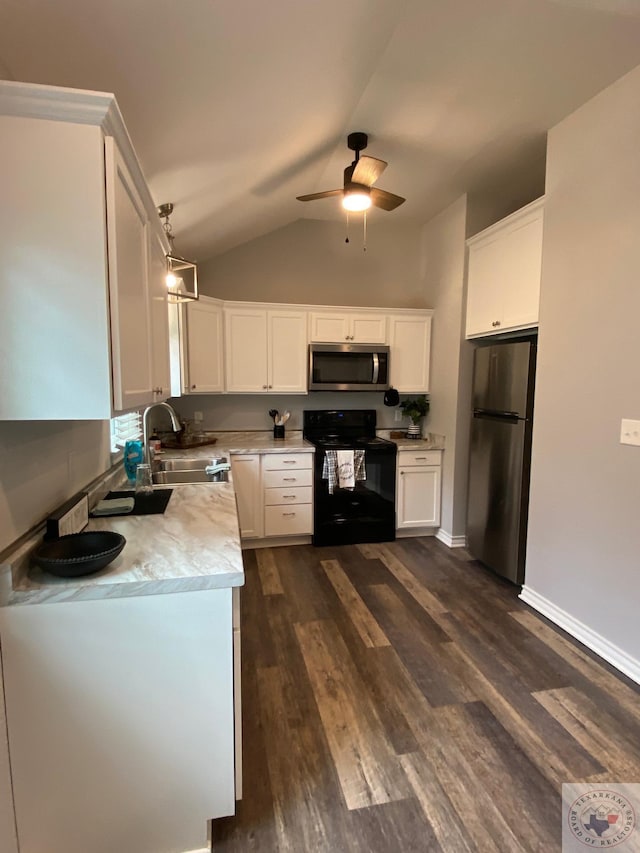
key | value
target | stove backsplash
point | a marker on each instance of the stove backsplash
(251, 411)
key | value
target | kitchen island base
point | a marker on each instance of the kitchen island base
(121, 721)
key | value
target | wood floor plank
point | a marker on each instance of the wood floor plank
(368, 769)
(420, 593)
(594, 670)
(558, 757)
(269, 576)
(597, 732)
(397, 827)
(494, 756)
(447, 825)
(419, 646)
(370, 632)
(294, 772)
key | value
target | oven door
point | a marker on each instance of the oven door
(348, 367)
(366, 513)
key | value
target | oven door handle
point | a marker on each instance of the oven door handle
(376, 369)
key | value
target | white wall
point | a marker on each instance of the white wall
(443, 274)
(44, 463)
(309, 262)
(584, 534)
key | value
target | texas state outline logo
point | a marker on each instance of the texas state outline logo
(600, 817)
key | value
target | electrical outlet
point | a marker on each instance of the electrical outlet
(198, 417)
(630, 432)
(398, 414)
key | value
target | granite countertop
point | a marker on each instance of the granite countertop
(245, 442)
(194, 545)
(431, 441)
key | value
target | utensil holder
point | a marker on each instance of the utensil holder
(278, 431)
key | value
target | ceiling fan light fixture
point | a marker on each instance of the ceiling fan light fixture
(357, 200)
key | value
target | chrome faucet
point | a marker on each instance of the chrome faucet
(175, 423)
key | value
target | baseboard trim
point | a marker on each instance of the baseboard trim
(199, 850)
(415, 531)
(622, 661)
(274, 542)
(451, 541)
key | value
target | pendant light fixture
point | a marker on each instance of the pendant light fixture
(182, 275)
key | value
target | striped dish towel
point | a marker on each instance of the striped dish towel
(331, 469)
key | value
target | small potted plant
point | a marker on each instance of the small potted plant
(415, 408)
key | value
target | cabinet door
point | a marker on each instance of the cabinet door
(245, 470)
(127, 239)
(246, 350)
(159, 313)
(419, 497)
(484, 288)
(523, 252)
(328, 327)
(410, 349)
(368, 328)
(203, 348)
(287, 352)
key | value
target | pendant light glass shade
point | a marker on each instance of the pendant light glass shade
(182, 275)
(356, 200)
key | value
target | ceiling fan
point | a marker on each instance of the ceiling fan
(358, 192)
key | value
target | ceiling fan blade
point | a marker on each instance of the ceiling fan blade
(367, 170)
(314, 196)
(385, 200)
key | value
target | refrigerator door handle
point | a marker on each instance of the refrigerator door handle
(482, 413)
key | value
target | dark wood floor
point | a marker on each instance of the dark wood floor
(399, 698)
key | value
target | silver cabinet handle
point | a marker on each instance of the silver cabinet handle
(288, 461)
(289, 496)
(288, 514)
(421, 458)
(289, 479)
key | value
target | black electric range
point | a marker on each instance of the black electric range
(366, 511)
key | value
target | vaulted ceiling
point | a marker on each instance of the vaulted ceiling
(237, 106)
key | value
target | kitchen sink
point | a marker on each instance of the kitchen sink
(186, 471)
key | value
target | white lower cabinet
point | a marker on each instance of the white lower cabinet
(245, 470)
(288, 494)
(121, 721)
(419, 483)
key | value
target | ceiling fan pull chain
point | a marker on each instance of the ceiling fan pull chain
(347, 237)
(364, 236)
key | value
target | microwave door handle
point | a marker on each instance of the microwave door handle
(376, 369)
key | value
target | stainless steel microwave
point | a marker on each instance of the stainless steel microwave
(348, 367)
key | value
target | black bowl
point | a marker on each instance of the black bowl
(79, 553)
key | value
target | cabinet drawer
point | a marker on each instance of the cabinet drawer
(286, 461)
(287, 479)
(278, 497)
(287, 521)
(417, 457)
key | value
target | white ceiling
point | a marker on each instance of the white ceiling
(237, 106)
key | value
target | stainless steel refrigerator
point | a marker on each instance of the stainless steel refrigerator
(500, 455)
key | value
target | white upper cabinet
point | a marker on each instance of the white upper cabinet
(358, 327)
(75, 318)
(128, 252)
(410, 351)
(503, 281)
(266, 350)
(202, 347)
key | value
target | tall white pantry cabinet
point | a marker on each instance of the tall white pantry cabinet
(83, 325)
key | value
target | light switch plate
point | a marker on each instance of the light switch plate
(398, 413)
(198, 417)
(630, 432)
